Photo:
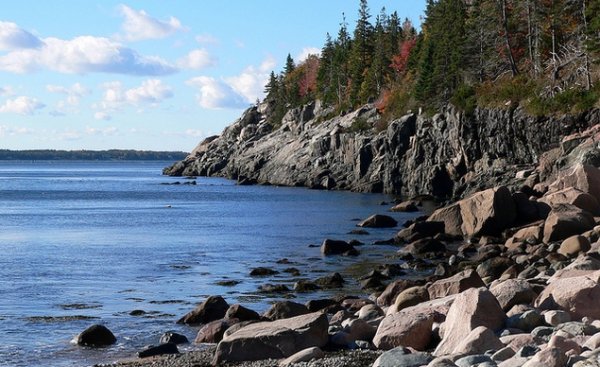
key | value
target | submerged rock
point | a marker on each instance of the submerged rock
(96, 336)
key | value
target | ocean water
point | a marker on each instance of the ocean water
(89, 242)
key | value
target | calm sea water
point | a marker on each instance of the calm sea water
(89, 242)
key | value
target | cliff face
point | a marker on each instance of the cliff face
(446, 155)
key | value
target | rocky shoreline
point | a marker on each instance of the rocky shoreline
(515, 268)
(516, 283)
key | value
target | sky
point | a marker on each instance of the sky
(153, 74)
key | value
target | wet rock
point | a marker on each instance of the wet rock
(213, 308)
(273, 288)
(315, 305)
(334, 280)
(378, 221)
(96, 336)
(335, 247)
(277, 339)
(167, 348)
(305, 286)
(419, 230)
(405, 206)
(424, 246)
(285, 309)
(173, 338)
(262, 272)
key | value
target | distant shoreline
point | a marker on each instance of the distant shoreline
(90, 155)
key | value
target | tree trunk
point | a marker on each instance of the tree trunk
(509, 53)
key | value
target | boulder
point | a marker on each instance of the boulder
(96, 336)
(285, 309)
(572, 246)
(419, 230)
(571, 195)
(213, 308)
(424, 246)
(390, 293)
(335, 247)
(166, 348)
(212, 332)
(579, 296)
(401, 357)
(334, 280)
(455, 284)
(585, 178)
(305, 355)
(478, 341)
(451, 217)
(487, 212)
(378, 221)
(241, 313)
(512, 292)
(276, 339)
(407, 329)
(174, 338)
(262, 272)
(409, 297)
(566, 220)
(472, 308)
(548, 357)
(405, 206)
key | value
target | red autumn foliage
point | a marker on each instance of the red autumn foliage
(400, 61)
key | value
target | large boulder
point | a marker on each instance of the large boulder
(378, 221)
(212, 332)
(566, 220)
(96, 336)
(572, 246)
(472, 308)
(455, 284)
(284, 310)
(335, 247)
(451, 217)
(512, 292)
(579, 295)
(478, 341)
(276, 339)
(407, 329)
(487, 212)
(585, 178)
(213, 308)
(573, 196)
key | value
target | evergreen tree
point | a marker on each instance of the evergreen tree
(289, 65)
(326, 88)
(361, 53)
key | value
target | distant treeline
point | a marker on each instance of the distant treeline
(91, 155)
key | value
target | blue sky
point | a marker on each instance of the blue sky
(154, 74)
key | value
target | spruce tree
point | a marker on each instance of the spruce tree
(362, 52)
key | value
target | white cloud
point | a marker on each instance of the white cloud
(73, 95)
(107, 131)
(22, 105)
(102, 116)
(151, 91)
(6, 91)
(12, 37)
(216, 94)
(197, 59)
(77, 90)
(206, 39)
(251, 82)
(307, 51)
(84, 54)
(14, 131)
(138, 25)
(194, 133)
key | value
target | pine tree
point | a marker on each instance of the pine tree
(326, 88)
(289, 65)
(361, 53)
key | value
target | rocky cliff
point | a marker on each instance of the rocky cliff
(445, 155)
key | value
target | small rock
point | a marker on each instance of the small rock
(305, 355)
(335, 247)
(173, 338)
(273, 288)
(96, 336)
(574, 245)
(402, 357)
(213, 308)
(284, 310)
(261, 272)
(167, 348)
(241, 313)
(378, 221)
